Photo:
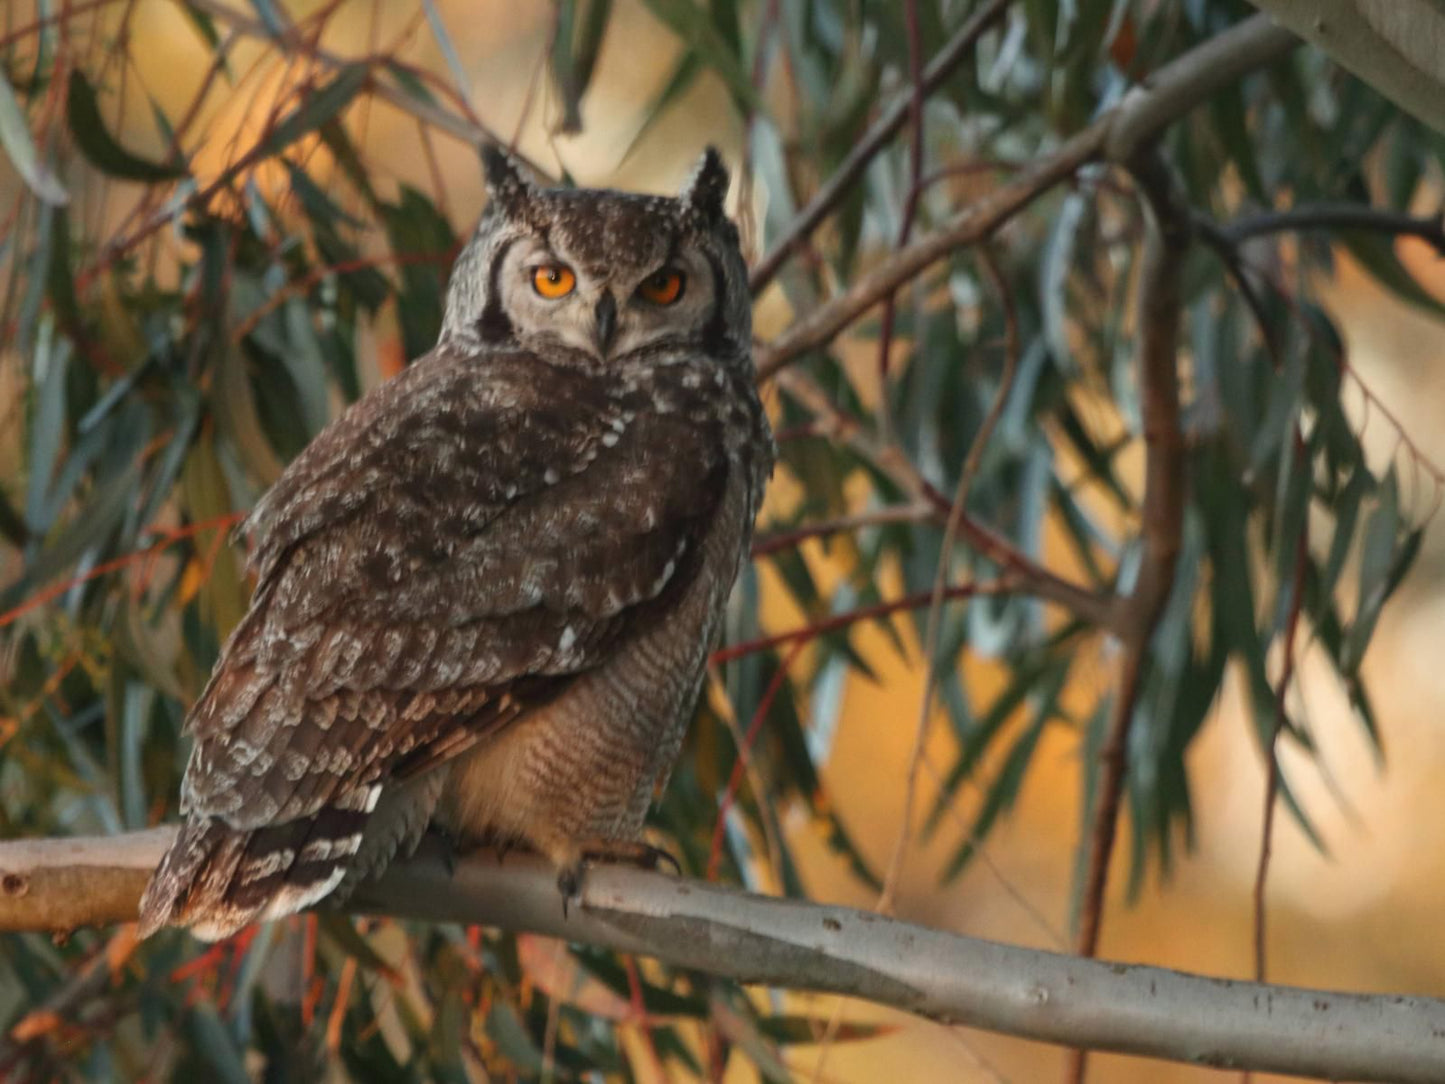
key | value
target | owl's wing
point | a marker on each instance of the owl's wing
(452, 551)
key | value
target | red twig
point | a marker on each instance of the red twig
(785, 540)
(169, 538)
(209, 962)
(1271, 783)
(1004, 585)
(337, 1018)
(765, 704)
(310, 987)
(1159, 313)
(318, 274)
(639, 1009)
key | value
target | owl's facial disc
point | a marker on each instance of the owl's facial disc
(607, 311)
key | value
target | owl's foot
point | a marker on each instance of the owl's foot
(448, 848)
(613, 852)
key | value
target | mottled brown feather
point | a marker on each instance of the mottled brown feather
(445, 556)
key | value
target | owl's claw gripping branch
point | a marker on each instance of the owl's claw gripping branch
(619, 852)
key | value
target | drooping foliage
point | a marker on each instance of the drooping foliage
(160, 365)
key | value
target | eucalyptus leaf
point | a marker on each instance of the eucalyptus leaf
(99, 146)
(15, 137)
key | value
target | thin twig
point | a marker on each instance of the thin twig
(1004, 585)
(1271, 783)
(1159, 313)
(864, 151)
(1114, 135)
(1218, 240)
(890, 460)
(1339, 216)
(974, 224)
(966, 476)
(876, 517)
(744, 763)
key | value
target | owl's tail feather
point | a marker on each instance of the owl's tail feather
(217, 879)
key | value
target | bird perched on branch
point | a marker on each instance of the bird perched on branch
(486, 593)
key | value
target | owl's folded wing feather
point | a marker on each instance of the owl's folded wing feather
(449, 553)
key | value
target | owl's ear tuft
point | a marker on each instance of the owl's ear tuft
(707, 188)
(507, 185)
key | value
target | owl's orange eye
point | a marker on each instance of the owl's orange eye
(554, 280)
(663, 287)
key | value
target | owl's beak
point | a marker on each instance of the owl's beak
(606, 313)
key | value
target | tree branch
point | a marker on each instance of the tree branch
(1337, 216)
(468, 129)
(1115, 135)
(799, 945)
(867, 148)
(889, 459)
(1159, 313)
(969, 227)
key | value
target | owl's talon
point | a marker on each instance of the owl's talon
(447, 850)
(569, 883)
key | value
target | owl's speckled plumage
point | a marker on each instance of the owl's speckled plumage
(485, 594)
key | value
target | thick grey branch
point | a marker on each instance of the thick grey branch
(1394, 45)
(1187, 81)
(806, 946)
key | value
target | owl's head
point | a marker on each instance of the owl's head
(597, 277)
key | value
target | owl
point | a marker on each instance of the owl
(485, 594)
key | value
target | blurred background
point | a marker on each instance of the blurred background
(330, 282)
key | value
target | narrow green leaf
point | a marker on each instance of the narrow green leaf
(1377, 556)
(276, 24)
(215, 1045)
(574, 55)
(1377, 255)
(603, 966)
(416, 228)
(1228, 111)
(12, 523)
(317, 108)
(677, 85)
(1347, 513)
(100, 148)
(47, 427)
(234, 406)
(20, 146)
(340, 931)
(204, 25)
(697, 30)
(1039, 671)
(505, 1028)
(1009, 781)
